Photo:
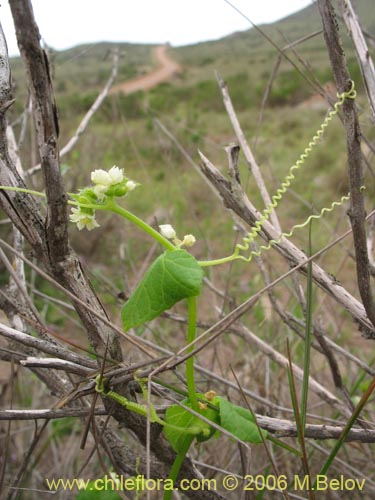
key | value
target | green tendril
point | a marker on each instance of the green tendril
(271, 243)
(290, 177)
(276, 198)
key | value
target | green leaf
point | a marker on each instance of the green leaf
(173, 276)
(238, 421)
(180, 417)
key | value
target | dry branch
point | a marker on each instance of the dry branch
(364, 58)
(5, 74)
(56, 364)
(45, 346)
(277, 426)
(88, 116)
(252, 164)
(281, 360)
(236, 199)
(353, 143)
(284, 428)
(47, 127)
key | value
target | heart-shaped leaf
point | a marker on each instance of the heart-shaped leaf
(173, 276)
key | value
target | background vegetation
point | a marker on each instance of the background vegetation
(128, 131)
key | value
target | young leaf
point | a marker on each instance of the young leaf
(238, 421)
(177, 416)
(173, 276)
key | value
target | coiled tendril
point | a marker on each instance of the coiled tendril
(247, 240)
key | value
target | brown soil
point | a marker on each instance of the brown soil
(167, 68)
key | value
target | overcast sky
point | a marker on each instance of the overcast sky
(66, 23)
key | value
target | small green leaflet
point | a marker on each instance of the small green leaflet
(173, 276)
(179, 417)
(238, 421)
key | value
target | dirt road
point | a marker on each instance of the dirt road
(166, 69)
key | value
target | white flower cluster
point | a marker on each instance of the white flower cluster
(110, 184)
(103, 180)
(83, 219)
(168, 232)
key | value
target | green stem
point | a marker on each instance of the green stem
(141, 409)
(217, 262)
(191, 333)
(112, 206)
(173, 474)
(308, 333)
(23, 190)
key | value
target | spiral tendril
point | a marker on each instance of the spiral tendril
(271, 243)
(247, 240)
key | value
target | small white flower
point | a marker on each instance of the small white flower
(100, 177)
(188, 240)
(88, 221)
(116, 175)
(100, 190)
(103, 178)
(130, 185)
(167, 231)
(76, 215)
(83, 219)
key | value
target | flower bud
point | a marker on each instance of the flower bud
(130, 185)
(167, 231)
(188, 240)
(100, 177)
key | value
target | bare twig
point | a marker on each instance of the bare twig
(88, 116)
(235, 199)
(5, 75)
(253, 166)
(78, 302)
(284, 428)
(20, 285)
(353, 141)
(315, 386)
(45, 346)
(363, 55)
(47, 127)
(272, 77)
(57, 364)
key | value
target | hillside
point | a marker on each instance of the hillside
(243, 53)
(190, 105)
